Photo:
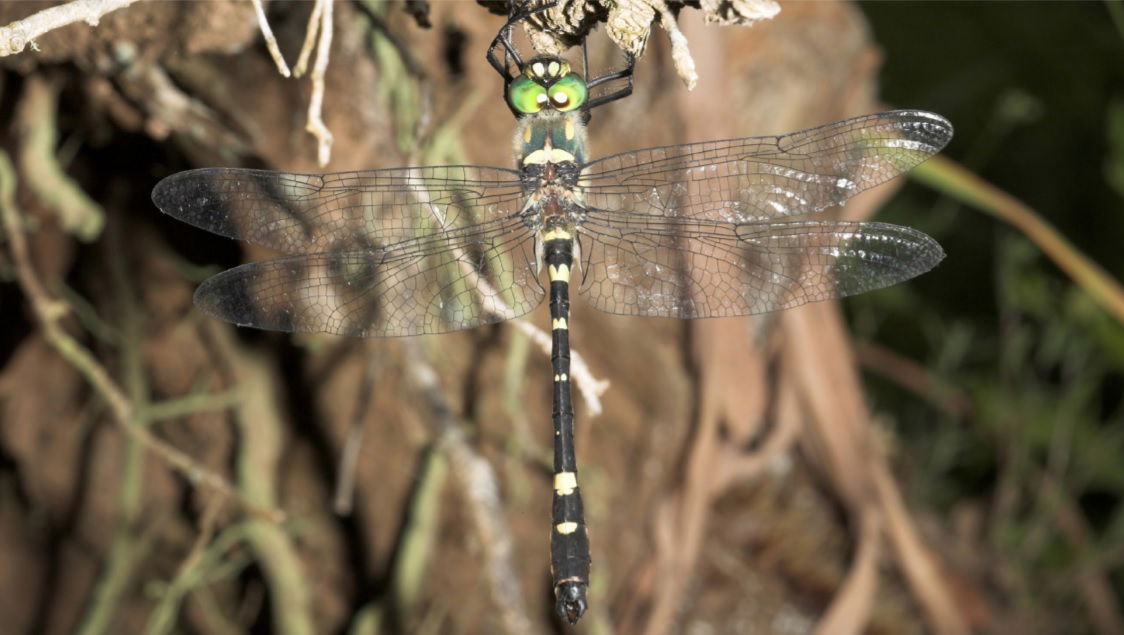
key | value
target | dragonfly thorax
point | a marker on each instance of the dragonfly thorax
(550, 153)
(550, 137)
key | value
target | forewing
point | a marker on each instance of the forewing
(684, 268)
(766, 178)
(320, 213)
(428, 285)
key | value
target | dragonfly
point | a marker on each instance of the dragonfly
(697, 230)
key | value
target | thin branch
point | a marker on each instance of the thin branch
(479, 486)
(917, 563)
(126, 548)
(17, 35)
(77, 213)
(680, 52)
(206, 532)
(270, 41)
(414, 67)
(744, 466)
(170, 109)
(628, 23)
(163, 616)
(316, 102)
(589, 386)
(191, 404)
(49, 311)
(1093, 576)
(953, 179)
(852, 604)
(258, 465)
(344, 497)
(913, 377)
(310, 34)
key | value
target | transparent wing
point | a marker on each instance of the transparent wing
(320, 213)
(766, 178)
(686, 268)
(433, 284)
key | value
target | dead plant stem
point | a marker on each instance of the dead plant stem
(49, 311)
(17, 35)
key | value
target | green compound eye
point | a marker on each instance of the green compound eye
(568, 93)
(526, 96)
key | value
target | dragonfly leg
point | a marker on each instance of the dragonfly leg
(625, 91)
(519, 11)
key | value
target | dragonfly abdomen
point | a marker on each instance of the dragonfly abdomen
(569, 543)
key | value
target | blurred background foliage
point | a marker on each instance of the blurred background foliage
(1036, 93)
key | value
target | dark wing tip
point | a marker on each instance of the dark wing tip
(904, 252)
(228, 297)
(167, 195)
(924, 127)
(933, 255)
(191, 197)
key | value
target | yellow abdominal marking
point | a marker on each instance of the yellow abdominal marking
(562, 377)
(565, 483)
(558, 324)
(556, 233)
(561, 273)
(566, 528)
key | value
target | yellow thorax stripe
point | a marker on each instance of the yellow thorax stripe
(554, 155)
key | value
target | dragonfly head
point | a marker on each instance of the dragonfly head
(546, 83)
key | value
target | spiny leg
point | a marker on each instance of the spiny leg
(625, 74)
(519, 12)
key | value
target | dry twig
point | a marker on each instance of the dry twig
(170, 109)
(851, 606)
(481, 491)
(1092, 577)
(344, 496)
(629, 24)
(270, 41)
(316, 124)
(590, 387)
(49, 312)
(17, 35)
(162, 619)
(310, 33)
(951, 178)
(680, 53)
(257, 468)
(915, 378)
(77, 213)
